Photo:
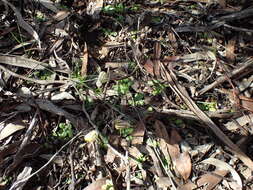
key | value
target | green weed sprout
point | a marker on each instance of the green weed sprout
(64, 131)
(123, 86)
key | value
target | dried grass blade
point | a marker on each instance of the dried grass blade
(182, 93)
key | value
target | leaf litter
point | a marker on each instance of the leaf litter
(126, 95)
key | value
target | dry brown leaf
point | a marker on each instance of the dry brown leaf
(138, 133)
(223, 165)
(183, 165)
(10, 129)
(85, 61)
(210, 179)
(156, 62)
(148, 66)
(173, 40)
(230, 50)
(182, 161)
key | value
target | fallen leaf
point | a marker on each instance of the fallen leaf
(223, 165)
(85, 61)
(181, 161)
(21, 181)
(10, 129)
(138, 133)
(210, 179)
(148, 65)
(94, 8)
(62, 96)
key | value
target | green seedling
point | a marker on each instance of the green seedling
(43, 75)
(207, 106)
(138, 100)
(126, 132)
(157, 87)
(123, 86)
(107, 32)
(113, 9)
(5, 180)
(40, 16)
(142, 158)
(152, 143)
(64, 131)
(156, 19)
(135, 7)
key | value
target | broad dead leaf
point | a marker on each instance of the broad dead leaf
(138, 133)
(223, 165)
(10, 129)
(182, 161)
(210, 179)
(148, 65)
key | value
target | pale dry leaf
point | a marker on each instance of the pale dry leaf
(163, 182)
(94, 8)
(49, 5)
(62, 96)
(102, 78)
(19, 183)
(225, 166)
(10, 129)
(20, 61)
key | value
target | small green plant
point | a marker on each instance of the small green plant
(64, 131)
(135, 7)
(126, 132)
(142, 158)
(113, 9)
(108, 32)
(40, 16)
(123, 86)
(207, 106)
(152, 143)
(157, 87)
(5, 180)
(43, 75)
(138, 100)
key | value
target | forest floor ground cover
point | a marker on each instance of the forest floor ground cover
(126, 94)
